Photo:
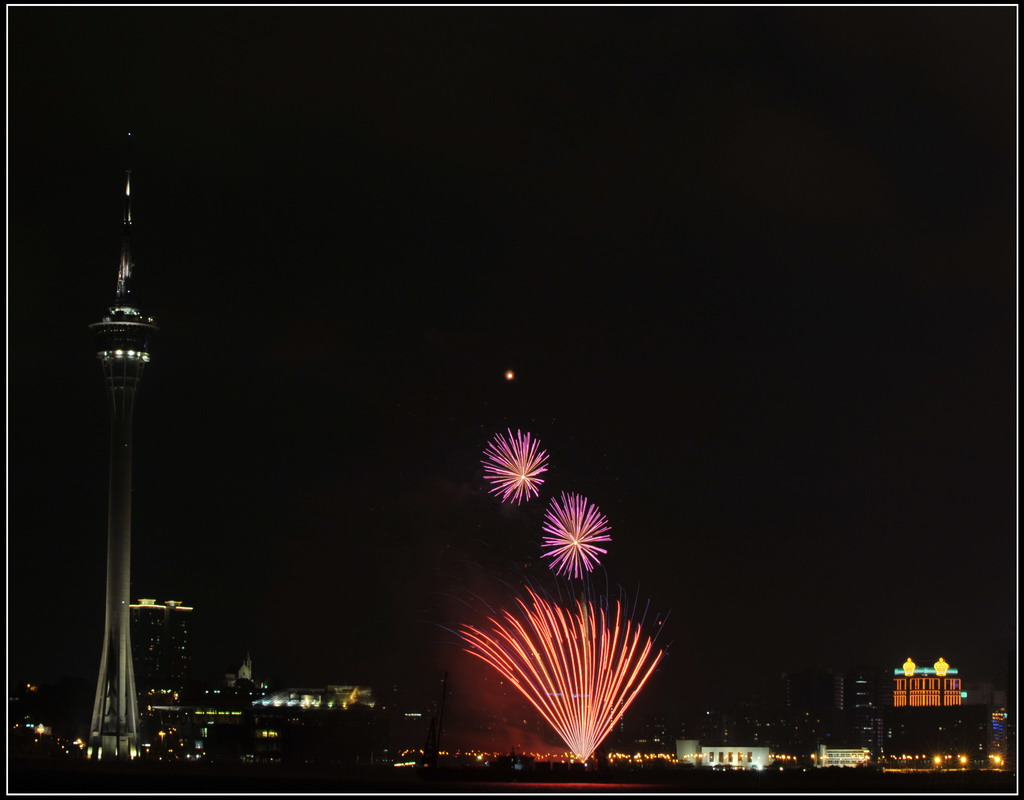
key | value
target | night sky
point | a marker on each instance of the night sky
(755, 270)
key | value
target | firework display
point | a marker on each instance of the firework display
(513, 466)
(581, 670)
(573, 525)
(580, 666)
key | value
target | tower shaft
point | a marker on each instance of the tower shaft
(114, 732)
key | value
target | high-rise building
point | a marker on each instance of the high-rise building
(931, 713)
(161, 644)
(814, 710)
(122, 339)
(866, 691)
(1009, 758)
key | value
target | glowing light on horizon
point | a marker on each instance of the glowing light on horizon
(513, 466)
(580, 670)
(574, 524)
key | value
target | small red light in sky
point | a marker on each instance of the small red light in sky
(509, 375)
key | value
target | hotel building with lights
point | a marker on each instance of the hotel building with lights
(932, 716)
(915, 686)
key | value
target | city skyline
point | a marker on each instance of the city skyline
(753, 271)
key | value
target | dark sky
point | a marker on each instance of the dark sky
(755, 269)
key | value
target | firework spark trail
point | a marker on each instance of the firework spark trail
(574, 524)
(580, 672)
(513, 466)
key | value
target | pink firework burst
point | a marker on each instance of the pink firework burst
(513, 465)
(574, 525)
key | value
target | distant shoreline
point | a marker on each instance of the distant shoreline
(36, 776)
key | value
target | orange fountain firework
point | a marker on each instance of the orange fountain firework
(581, 670)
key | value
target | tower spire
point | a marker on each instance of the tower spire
(124, 271)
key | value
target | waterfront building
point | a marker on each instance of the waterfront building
(735, 757)
(842, 757)
(722, 756)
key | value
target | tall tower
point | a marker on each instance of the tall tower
(122, 340)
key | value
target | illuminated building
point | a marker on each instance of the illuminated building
(997, 736)
(122, 340)
(160, 644)
(241, 675)
(340, 724)
(842, 757)
(692, 753)
(688, 752)
(208, 724)
(722, 756)
(931, 713)
(916, 686)
(334, 696)
(333, 724)
(735, 757)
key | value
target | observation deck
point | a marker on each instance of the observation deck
(124, 333)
